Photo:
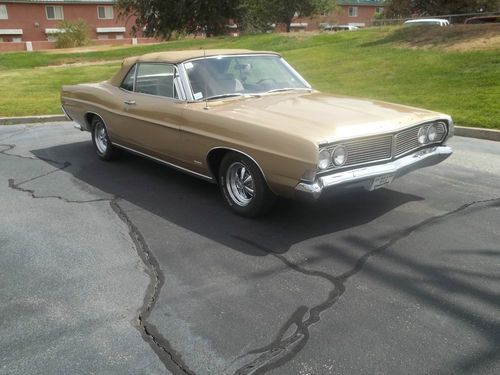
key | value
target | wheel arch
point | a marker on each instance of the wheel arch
(89, 116)
(215, 156)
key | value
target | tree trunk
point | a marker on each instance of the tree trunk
(288, 21)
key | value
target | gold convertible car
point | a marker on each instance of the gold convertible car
(247, 121)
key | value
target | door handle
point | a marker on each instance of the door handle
(129, 102)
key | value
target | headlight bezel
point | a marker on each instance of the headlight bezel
(422, 135)
(327, 157)
(438, 128)
(432, 129)
(339, 148)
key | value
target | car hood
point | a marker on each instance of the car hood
(323, 118)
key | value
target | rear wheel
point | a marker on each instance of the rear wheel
(104, 149)
(243, 186)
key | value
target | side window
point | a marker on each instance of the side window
(128, 82)
(3, 12)
(54, 12)
(156, 79)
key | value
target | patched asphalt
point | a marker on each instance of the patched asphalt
(131, 267)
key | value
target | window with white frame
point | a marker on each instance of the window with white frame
(54, 12)
(3, 12)
(105, 13)
(353, 11)
(379, 10)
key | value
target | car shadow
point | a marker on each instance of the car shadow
(197, 205)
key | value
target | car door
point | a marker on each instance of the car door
(152, 111)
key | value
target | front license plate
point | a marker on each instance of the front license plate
(381, 181)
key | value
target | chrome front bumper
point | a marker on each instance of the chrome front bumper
(364, 177)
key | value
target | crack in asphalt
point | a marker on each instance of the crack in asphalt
(285, 348)
(167, 355)
(10, 147)
(13, 134)
(63, 165)
(17, 187)
(150, 333)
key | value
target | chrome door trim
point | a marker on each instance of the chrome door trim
(184, 82)
(175, 166)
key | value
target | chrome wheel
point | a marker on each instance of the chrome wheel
(243, 185)
(101, 137)
(240, 184)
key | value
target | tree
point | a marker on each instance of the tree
(161, 18)
(408, 8)
(72, 34)
(258, 13)
(164, 17)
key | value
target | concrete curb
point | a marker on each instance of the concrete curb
(480, 133)
(31, 119)
(462, 131)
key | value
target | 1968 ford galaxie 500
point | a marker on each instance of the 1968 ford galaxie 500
(249, 122)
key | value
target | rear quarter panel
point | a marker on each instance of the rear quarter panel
(99, 98)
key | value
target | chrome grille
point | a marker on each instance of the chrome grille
(407, 140)
(367, 150)
(384, 147)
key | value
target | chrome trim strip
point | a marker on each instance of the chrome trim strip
(240, 152)
(182, 169)
(451, 130)
(98, 115)
(184, 80)
(66, 113)
(232, 55)
(363, 177)
(296, 73)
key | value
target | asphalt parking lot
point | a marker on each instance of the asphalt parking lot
(130, 267)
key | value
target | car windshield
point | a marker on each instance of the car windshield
(233, 76)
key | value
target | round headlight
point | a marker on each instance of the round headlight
(324, 159)
(422, 135)
(432, 133)
(339, 156)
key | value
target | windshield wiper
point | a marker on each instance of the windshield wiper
(221, 96)
(289, 89)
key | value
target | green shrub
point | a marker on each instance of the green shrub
(73, 34)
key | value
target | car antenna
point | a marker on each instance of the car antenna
(206, 89)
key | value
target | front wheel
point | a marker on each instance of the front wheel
(104, 149)
(243, 186)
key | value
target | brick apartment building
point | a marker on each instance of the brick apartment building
(33, 24)
(37, 20)
(348, 12)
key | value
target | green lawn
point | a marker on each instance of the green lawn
(370, 63)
